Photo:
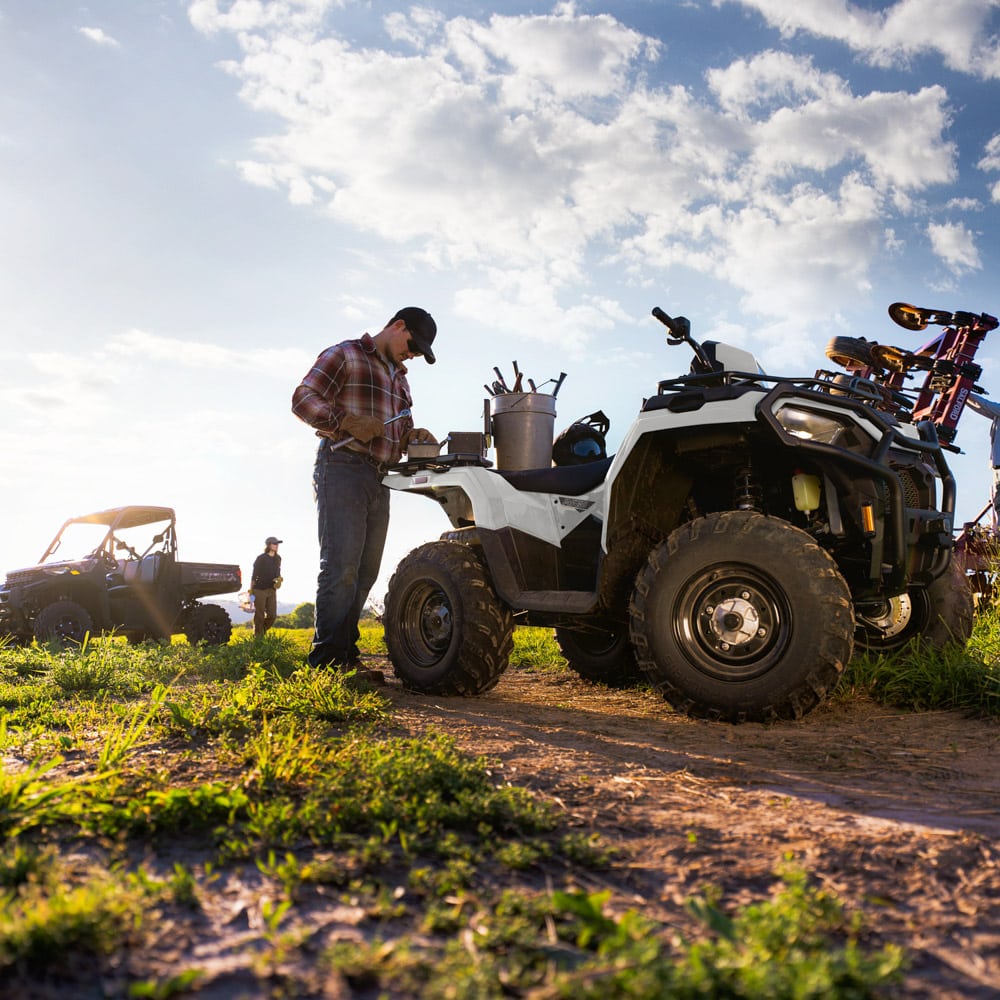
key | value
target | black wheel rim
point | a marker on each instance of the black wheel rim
(214, 631)
(732, 622)
(427, 624)
(69, 628)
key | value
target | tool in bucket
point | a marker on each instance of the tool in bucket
(391, 420)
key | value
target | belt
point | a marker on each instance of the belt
(380, 467)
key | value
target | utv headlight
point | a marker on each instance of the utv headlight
(814, 426)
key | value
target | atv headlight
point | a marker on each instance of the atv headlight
(812, 425)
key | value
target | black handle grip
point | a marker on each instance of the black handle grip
(679, 326)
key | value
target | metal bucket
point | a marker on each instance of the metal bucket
(523, 428)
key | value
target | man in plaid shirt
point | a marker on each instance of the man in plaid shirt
(351, 393)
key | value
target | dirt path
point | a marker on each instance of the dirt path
(899, 813)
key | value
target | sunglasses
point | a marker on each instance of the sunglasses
(413, 347)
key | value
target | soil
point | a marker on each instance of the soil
(896, 812)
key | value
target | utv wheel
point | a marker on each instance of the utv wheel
(850, 352)
(741, 617)
(64, 622)
(600, 657)
(208, 623)
(940, 615)
(445, 628)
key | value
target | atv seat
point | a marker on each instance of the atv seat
(567, 480)
(149, 567)
(143, 570)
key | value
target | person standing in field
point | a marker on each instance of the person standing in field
(265, 579)
(353, 397)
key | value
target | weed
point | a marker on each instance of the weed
(280, 757)
(27, 799)
(280, 943)
(536, 649)
(288, 872)
(54, 928)
(800, 944)
(921, 679)
(101, 666)
(165, 989)
(520, 855)
(127, 730)
(19, 864)
(183, 887)
(587, 850)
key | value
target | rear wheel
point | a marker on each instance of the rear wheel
(445, 628)
(600, 657)
(63, 622)
(741, 617)
(850, 352)
(208, 623)
(940, 615)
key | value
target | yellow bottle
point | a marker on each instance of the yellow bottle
(805, 489)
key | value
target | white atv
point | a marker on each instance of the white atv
(749, 531)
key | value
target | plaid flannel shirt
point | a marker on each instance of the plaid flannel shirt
(351, 377)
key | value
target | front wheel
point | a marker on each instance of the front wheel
(208, 623)
(63, 622)
(741, 617)
(446, 631)
(940, 615)
(600, 657)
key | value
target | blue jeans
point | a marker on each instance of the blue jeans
(353, 509)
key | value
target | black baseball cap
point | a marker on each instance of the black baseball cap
(422, 329)
(271, 540)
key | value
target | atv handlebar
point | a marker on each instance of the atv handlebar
(680, 327)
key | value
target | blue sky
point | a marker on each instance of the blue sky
(197, 197)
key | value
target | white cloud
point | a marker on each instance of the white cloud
(142, 348)
(955, 245)
(958, 31)
(99, 37)
(61, 386)
(210, 16)
(991, 159)
(540, 141)
(964, 204)
(811, 120)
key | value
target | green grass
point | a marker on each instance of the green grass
(921, 679)
(800, 943)
(115, 756)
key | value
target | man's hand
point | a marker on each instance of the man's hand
(361, 428)
(417, 435)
